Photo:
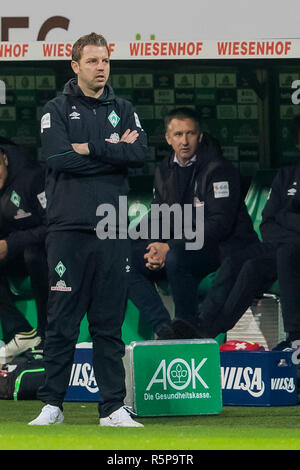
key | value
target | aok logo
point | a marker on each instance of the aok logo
(179, 374)
(243, 378)
(82, 375)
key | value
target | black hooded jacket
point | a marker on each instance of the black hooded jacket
(215, 183)
(281, 215)
(22, 203)
(77, 184)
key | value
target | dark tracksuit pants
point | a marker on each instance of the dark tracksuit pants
(92, 280)
(246, 276)
(33, 262)
(183, 269)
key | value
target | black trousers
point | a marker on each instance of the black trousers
(182, 270)
(247, 275)
(32, 262)
(86, 275)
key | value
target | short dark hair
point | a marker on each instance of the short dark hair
(182, 113)
(92, 39)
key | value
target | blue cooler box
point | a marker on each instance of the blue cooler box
(82, 385)
(258, 378)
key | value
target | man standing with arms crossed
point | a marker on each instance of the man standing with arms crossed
(89, 138)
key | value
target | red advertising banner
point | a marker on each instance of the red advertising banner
(137, 50)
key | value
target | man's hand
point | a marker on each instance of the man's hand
(129, 137)
(82, 149)
(153, 262)
(3, 249)
(156, 256)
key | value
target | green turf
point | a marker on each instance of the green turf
(235, 428)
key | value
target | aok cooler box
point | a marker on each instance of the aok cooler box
(258, 378)
(165, 378)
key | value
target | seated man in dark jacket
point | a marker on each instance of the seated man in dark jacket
(22, 251)
(196, 174)
(249, 273)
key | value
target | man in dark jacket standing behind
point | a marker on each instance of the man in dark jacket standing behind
(196, 174)
(247, 274)
(89, 138)
(22, 248)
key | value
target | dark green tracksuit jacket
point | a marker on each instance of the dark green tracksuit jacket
(77, 184)
(87, 275)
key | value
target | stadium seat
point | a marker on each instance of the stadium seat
(255, 201)
(257, 196)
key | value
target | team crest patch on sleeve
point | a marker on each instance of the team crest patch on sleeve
(137, 121)
(42, 199)
(45, 122)
(221, 189)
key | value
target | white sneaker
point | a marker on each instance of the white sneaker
(49, 415)
(120, 418)
(19, 344)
